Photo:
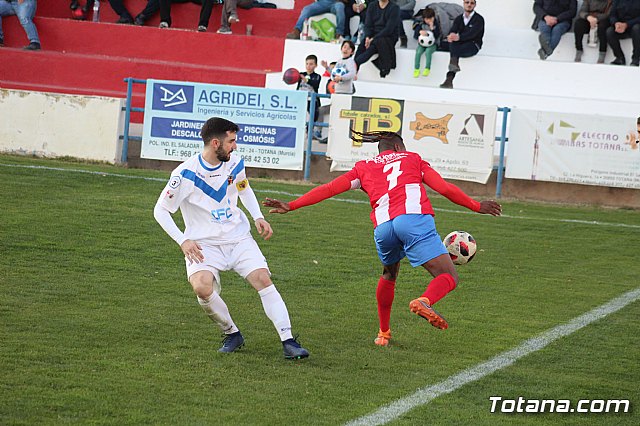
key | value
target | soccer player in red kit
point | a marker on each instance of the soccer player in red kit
(403, 220)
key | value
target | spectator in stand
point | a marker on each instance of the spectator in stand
(310, 82)
(593, 15)
(465, 39)
(118, 6)
(340, 82)
(205, 12)
(344, 82)
(406, 12)
(446, 13)
(25, 10)
(318, 8)
(351, 9)
(330, 89)
(428, 24)
(381, 35)
(625, 22)
(554, 19)
(228, 17)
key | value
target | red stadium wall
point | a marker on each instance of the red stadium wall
(83, 57)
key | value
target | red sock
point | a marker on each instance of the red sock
(385, 293)
(439, 287)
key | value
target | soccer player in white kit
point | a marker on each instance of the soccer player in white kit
(217, 235)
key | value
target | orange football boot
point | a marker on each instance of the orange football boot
(383, 338)
(422, 307)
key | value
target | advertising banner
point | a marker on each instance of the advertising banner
(573, 148)
(272, 122)
(457, 140)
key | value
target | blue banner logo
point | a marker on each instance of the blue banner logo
(172, 97)
(171, 128)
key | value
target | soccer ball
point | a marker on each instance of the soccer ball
(461, 247)
(338, 71)
(291, 76)
(331, 87)
(426, 40)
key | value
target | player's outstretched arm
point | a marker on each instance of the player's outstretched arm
(317, 194)
(457, 195)
(276, 206)
(490, 207)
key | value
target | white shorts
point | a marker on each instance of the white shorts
(243, 257)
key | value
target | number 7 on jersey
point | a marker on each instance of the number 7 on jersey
(394, 175)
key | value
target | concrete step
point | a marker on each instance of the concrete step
(484, 72)
(135, 42)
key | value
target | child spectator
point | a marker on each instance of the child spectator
(427, 24)
(344, 82)
(25, 10)
(330, 86)
(329, 89)
(310, 82)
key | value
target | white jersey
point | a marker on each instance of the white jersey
(207, 197)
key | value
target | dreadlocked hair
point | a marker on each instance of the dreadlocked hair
(375, 137)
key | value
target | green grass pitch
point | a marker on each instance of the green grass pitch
(98, 324)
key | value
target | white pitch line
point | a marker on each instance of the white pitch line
(342, 200)
(425, 395)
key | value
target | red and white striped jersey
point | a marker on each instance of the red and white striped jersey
(393, 181)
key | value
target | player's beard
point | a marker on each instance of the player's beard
(223, 156)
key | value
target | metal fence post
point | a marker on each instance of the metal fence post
(127, 120)
(312, 119)
(503, 141)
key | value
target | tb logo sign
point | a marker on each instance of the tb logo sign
(374, 114)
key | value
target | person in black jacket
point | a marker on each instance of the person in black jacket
(554, 19)
(310, 82)
(381, 36)
(465, 39)
(625, 22)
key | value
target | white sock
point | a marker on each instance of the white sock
(276, 310)
(217, 310)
